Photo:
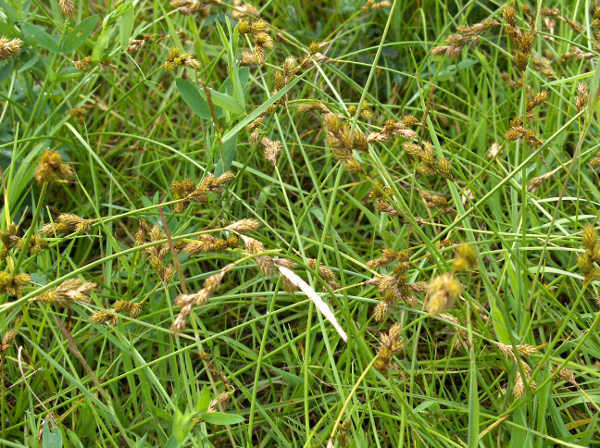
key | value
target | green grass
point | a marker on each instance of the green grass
(293, 382)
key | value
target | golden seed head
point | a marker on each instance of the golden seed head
(13, 285)
(8, 338)
(509, 14)
(69, 292)
(526, 350)
(232, 242)
(266, 266)
(443, 291)
(84, 64)
(590, 238)
(244, 226)
(101, 317)
(135, 310)
(437, 303)
(521, 60)
(527, 40)
(258, 54)
(51, 168)
(585, 264)
(213, 282)
(290, 67)
(249, 10)
(122, 306)
(9, 48)
(444, 168)
(353, 166)
(259, 26)
(253, 246)
(67, 7)
(381, 311)
(332, 122)
(314, 48)
(467, 254)
(244, 26)
(285, 262)
(264, 40)
(359, 141)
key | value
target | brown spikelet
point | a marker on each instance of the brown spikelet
(9, 47)
(67, 7)
(69, 292)
(52, 169)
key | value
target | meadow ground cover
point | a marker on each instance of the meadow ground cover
(299, 223)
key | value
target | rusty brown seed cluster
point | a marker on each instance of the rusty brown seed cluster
(10, 240)
(67, 7)
(586, 261)
(430, 164)
(208, 243)
(250, 23)
(327, 274)
(84, 64)
(374, 5)
(523, 40)
(438, 201)
(394, 288)
(111, 317)
(51, 168)
(78, 113)
(213, 370)
(176, 59)
(188, 192)
(7, 341)
(69, 292)
(67, 223)
(467, 36)
(136, 45)
(524, 350)
(189, 7)
(596, 22)
(582, 96)
(156, 253)
(200, 298)
(272, 148)
(9, 47)
(445, 289)
(13, 284)
(378, 190)
(343, 141)
(518, 132)
(390, 344)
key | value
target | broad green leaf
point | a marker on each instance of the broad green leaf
(225, 101)
(79, 35)
(42, 38)
(5, 71)
(220, 418)
(191, 95)
(126, 27)
(51, 438)
(473, 440)
(232, 133)
(182, 425)
(103, 41)
(229, 149)
(11, 13)
(29, 64)
(243, 74)
(172, 442)
(204, 400)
